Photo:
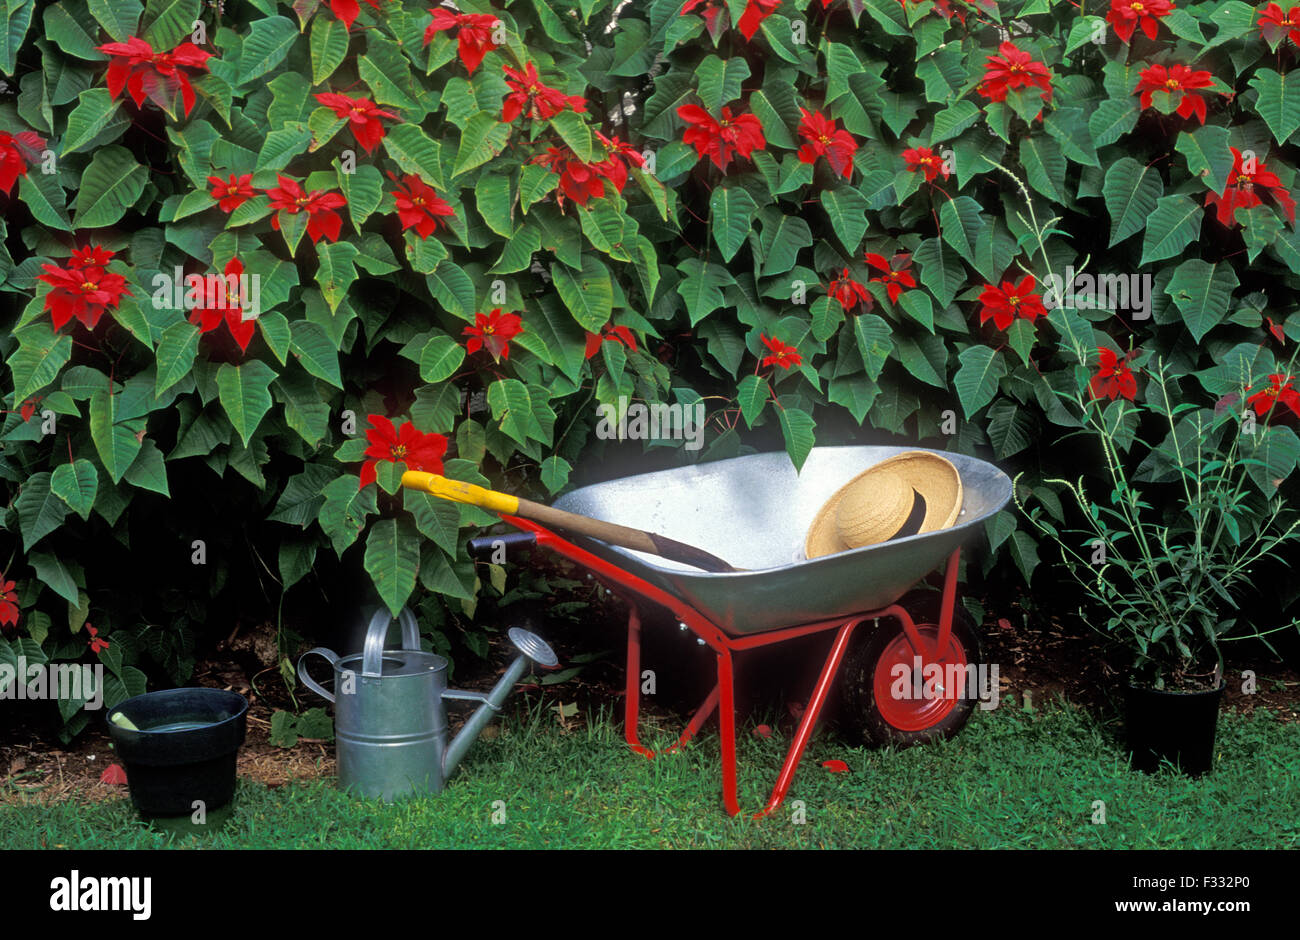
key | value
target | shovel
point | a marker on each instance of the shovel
(619, 535)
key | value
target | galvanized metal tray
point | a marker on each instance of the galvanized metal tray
(754, 512)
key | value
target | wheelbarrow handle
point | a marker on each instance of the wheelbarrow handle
(482, 546)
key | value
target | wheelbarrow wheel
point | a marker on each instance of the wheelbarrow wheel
(886, 700)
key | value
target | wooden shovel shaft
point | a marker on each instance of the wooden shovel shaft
(622, 536)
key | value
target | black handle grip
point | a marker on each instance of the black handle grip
(481, 546)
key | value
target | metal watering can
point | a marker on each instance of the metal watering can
(390, 722)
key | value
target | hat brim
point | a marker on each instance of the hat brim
(934, 478)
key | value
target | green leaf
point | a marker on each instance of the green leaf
(797, 428)
(265, 46)
(492, 199)
(1044, 166)
(555, 473)
(304, 410)
(244, 394)
(847, 209)
(436, 518)
(782, 237)
(1208, 155)
(40, 355)
(718, 82)
(941, 271)
(115, 442)
(977, 380)
(67, 31)
(175, 355)
(17, 18)
(40, 512)
(393, 561)
(363, 189)
(43, 195)
(1130, 191)
(414, 152)
(95, 109)
(512, 407)
(1175, 224)
(1278, 103)
(482, 139)
(167, 22)
(440, 358)
(874, 341)
(329, 46)
(55, 575)
(312, 347)
(76, 483)
(1202, 292)
(336, 272)
(147, 471)
(732, 212)
(589, 295)
(110, 185)
(1112, 120)
(752, 395)
(961, 225)
(345, 510)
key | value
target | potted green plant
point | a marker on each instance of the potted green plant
(1166, 548)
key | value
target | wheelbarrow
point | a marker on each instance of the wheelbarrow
(754, 511)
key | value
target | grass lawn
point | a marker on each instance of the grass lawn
(1012, 779)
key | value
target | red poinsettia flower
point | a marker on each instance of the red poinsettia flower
(1281, 389)
(418, 206)
(1242, 191)
(610, 334)
(154, 75)
(1274, 24)
(1127, 15)
(84, 289)
(1114, 379)
(896, 277)
(232, 193)
(415, 448)
(226, 308)
(1011, 70)
(849, 292)
(619, 154)
(529, 97)
(493, 332)
(787, 357)
(363, 116)
(96, 643)
(348, 10)
(29, 406)
(1003, 304)
(17, 153)
(755, 12)
(322, 220)
(473, 34)
(8, 603)
(713, 9)
(1177, 79)
(923, 158)
(579, 181)
(826, 140)
(718, 139)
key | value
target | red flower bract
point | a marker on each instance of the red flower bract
(232, 193)
(224, 302)
(1126, 15)
(348, 10)
(17, 152)
(1281, 389)
(897, 277)
(418, 206)
(609, 334)
(619, 154)
(787, 357)
(1175, 80)
(1012, 69)
(83, 289)
(473, 34)
(718, 139)
(1003, 304)
(415, 448)
(1274, 24)
(362, 116)
(1114, 379)
(8, 603)
(529, 97)
(322, 220)
(825, 140)
(493, 332)
(923, 158)
(755, 12)
(849, 292)
(154, 75)
(96, 643)
(1242, 191)
(579, 181)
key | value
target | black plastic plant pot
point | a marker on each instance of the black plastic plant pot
(182, 757)
(1175, 726)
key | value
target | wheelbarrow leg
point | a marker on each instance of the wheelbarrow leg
(727, 727)
(810, 715)
(632, 700)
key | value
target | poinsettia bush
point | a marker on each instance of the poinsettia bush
(444, 237)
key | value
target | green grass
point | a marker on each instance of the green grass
(1011, 779)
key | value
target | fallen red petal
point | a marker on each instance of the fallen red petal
(113, 774)
(836, 766)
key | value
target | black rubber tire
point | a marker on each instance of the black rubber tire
(860, 717)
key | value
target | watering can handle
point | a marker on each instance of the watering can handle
(306, 678)
(377, 636)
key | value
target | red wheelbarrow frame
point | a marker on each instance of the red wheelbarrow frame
(628, 586)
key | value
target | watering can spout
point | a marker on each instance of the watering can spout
(532, 649)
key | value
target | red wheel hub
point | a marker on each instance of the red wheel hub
(910, 694)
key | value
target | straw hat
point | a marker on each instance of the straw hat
(904, 495)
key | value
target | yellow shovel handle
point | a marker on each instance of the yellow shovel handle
(461, 492)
